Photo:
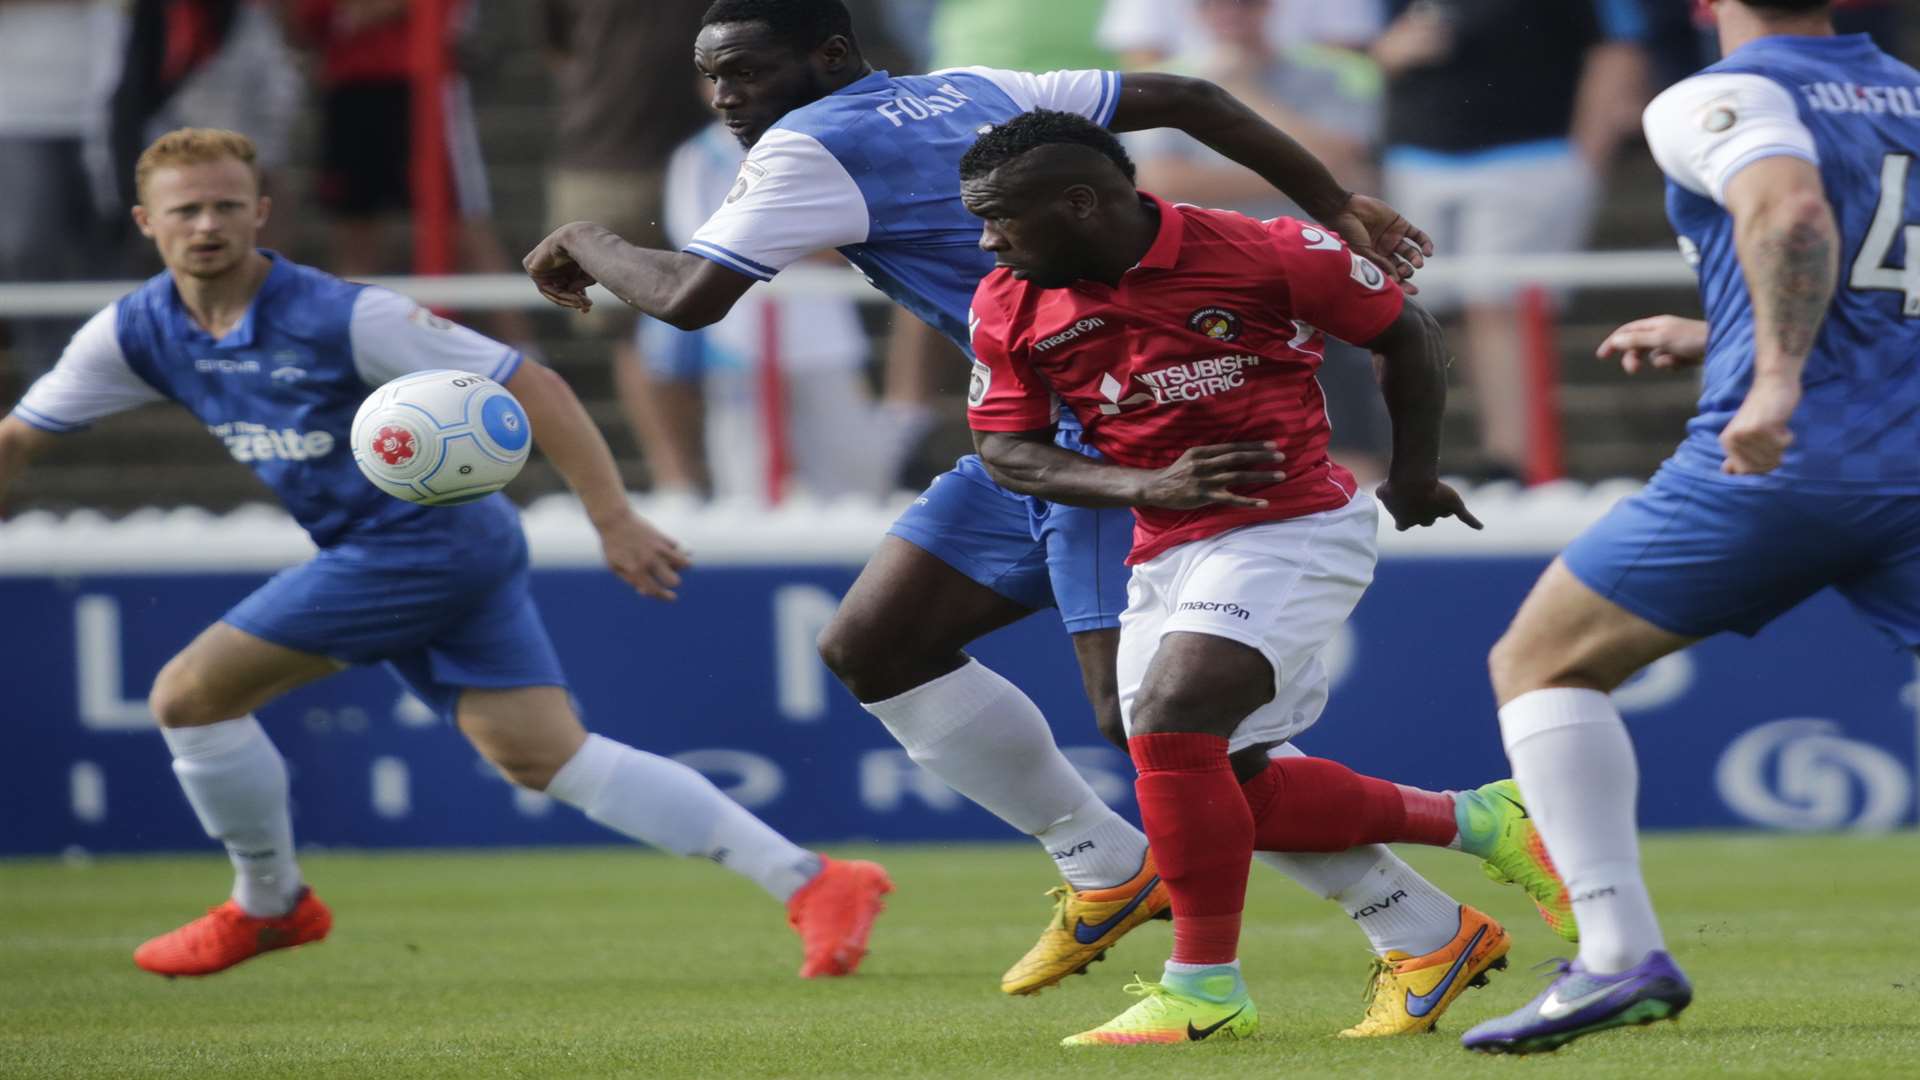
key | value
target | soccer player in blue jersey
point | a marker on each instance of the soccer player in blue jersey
(275, 358)
(1791, 181)
(843, 156)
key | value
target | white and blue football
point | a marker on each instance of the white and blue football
(441, 437)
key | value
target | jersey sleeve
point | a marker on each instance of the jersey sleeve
(1005, 393)
(791, 199)
(1093, 95)
(393, 336)
(92, 381)
(1706, 129)
(1330, 286)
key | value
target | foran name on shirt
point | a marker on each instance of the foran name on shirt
(913, 107)
(1839, 97)
(249, 443)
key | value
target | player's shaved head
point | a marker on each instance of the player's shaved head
(766, 58)
(1042, 129)
(801, 25)
(1056, 194)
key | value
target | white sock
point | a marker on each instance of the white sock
(1392, 904)
(1574, 762)
(661, 802)
(986, 740)
(237, 783)
(1094, 847)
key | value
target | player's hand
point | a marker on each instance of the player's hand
(643, 556)
(1377, 232)
(1203, 475)
(1758, 436)
(1419, 504)
(554, 272)
(1662, 342)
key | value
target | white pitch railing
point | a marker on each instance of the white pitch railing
(1597, 270)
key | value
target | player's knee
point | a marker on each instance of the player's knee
(1184, 706)
(1112, 728)
(1517, 665)
(871, 661)
(529, 771)
(839, 646)
(526, 755)
(180, 699)
(1504, 664)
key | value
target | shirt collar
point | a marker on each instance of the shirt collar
(1165, 251)
(865, 84)
(242, 334)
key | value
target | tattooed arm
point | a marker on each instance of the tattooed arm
(1790, 251)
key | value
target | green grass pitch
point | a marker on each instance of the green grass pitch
(611, 962)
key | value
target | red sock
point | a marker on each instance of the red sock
(1311, 804)
(1202, 838)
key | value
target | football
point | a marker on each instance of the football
(441, 437)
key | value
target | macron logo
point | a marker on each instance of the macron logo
(287, 374)
(1084, 326)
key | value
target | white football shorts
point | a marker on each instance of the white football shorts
(1283, 587)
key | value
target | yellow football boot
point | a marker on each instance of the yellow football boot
(1085, 924)
(1407, 994)
(1164, 1015)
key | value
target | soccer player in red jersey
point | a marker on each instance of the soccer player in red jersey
(1186, 342)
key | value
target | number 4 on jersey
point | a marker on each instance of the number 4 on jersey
(1870, 269)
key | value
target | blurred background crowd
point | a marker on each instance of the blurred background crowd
(1502, 127)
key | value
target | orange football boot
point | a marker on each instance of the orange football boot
(226, 935)
(834, 913)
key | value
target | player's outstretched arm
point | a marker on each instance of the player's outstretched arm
(1028, 462)
(20, 443)
(1414, 381)
(675, 287)
(641, 555)
(1225, 123)
(1789, 248)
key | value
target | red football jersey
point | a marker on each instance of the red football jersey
(1214, 337)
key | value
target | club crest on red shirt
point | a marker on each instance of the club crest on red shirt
(395, 445)
(1216, 322)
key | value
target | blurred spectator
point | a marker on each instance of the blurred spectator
(57, 63)
(719, 445)
(1501, 118)
(366, 139)
(620, 75)
(209, 63)
(1018, 34)
(1145, 32)
(1330, 99)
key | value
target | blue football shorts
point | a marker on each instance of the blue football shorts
(464, 621)
(1036, 553)
(1696, 556)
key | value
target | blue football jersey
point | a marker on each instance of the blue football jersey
(280, 391)
(1854, 111)
(873, 170)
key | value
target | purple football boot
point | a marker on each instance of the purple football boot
(1581, 1003)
